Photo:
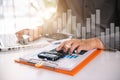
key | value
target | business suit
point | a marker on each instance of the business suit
(82, 9)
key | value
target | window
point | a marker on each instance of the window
(19, 14)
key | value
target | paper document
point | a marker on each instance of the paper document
(68, 62)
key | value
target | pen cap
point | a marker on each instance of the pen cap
(38, 65)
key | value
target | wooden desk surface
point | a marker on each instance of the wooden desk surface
(105, 67)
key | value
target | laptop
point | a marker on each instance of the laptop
(9, 42)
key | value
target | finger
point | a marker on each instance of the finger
(60, 46)
(19, 35)
(67, 45)
(73, 47)
(31, 34)
(79, 49)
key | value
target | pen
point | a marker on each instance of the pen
(46, 64)
(39, 64)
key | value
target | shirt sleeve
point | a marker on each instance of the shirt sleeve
(112, 41)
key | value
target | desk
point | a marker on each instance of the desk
(105, 67)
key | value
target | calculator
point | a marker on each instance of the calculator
(54, 55)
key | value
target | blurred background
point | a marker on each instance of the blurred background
(18, 14)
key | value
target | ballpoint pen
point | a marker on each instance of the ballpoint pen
(46, 64)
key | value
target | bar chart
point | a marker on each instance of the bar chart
(110, 35)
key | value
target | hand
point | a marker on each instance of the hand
(32, 33)
(79, 45)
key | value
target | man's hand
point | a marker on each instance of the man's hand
(79, 45)
(32, 33)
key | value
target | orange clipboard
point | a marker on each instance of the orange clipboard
(72, 72)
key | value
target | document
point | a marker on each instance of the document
(68, 62)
